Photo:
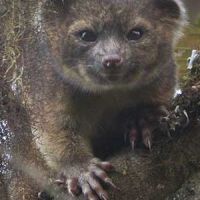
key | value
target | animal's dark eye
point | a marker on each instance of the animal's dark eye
(135, 34)
(87, 35)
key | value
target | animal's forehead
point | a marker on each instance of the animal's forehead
(111, 9)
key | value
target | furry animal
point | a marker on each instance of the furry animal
(102, 66)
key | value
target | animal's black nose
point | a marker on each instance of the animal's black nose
(112, 61)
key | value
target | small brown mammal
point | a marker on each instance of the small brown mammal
(103, 58)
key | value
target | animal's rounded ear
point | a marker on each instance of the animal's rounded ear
(170, 8)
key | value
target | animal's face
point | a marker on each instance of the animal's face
(104, 45)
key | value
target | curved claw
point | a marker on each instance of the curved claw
(88, 182)
(109, 182)
(97, 188)
(106, 166)
(133, 135)
(133, 145)
(103, 197)
(187, 118)
(91, 187)
(149, 144)
(87, 192)
(99, 173)
(73, 187)
(147, 137)
(59, 182)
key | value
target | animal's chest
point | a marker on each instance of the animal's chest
(103, 125)
(99, 116)
(103, 119)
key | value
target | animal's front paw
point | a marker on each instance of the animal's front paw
(144, 124)
(87, 180)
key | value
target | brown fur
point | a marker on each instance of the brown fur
(69, 108)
